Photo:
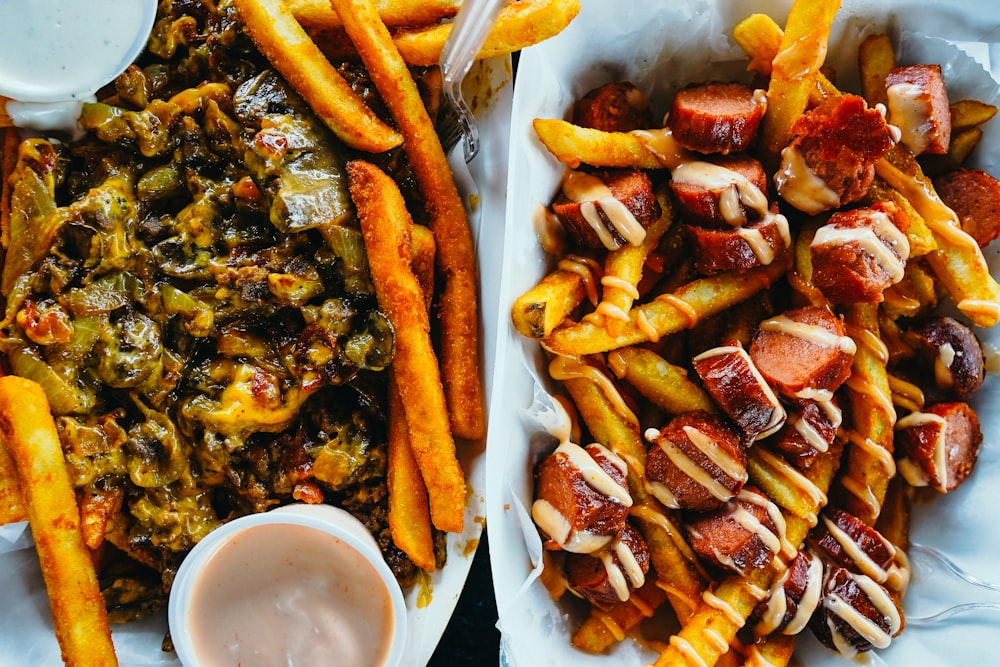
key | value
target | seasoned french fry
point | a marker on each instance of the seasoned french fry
(78, 611)
(876, 58)
(958, 264)
(574, 145)
(519, 25)
(668, 313)
(537, 312)
(409, 513)
(423, 248)
(456, 259)
(279, 37)
(868, 463)
(318, 14)
(967, 114)
(386, 226)
(793, 71)
(97, 509)
(660, 381)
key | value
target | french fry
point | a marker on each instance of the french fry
(959, 148)
(519, 25)
(537, 312)
(793, 71)
(456, 260)
(318, 14)
(602, 629)
(423, 249)
(958, 264)
(409, 513)
(290, 50)
(967, 114)
(78, 611)
(97, 509)
(876, 58)
(574, 145)
(12, 507)
(660, 381)
(386, 226)
(771, 651)
(663, 316)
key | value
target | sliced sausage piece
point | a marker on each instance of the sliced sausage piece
(859, 253)
(809, 430)
(718, 249)
(954, 353)
(793, 598)
(695, 462)
(721, 190)
(831, 160)
(804, 353)
(717, 117)
(844, 539)
(918, 105)
(731, 378)
(608, 208)
(939, 445)
(581, 497)
(974, 196)
(855, 614)
(613, 107)
(610, 575)
(740, 536)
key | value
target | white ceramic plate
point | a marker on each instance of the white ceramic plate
(26, 633)
(660, 47)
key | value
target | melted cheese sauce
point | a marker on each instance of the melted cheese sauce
(289, 595)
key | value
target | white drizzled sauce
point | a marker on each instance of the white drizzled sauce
(777, 604)
(778, 415)
(729, 466)
(737, 190)
(801, 187)
(586, 268)
(909, 109)
(812, 333)
(915, 474)
(869, 630)
(594, 197)
(883, 241)
(861, 559)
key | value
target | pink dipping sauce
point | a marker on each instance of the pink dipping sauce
(290, 596)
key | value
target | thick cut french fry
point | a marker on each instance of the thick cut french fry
(409, 513)
(771, 651)
(519, 25)
(668, 313)
(290, 50)
(12, 507)
(876, 58)
(967, 114)
(318, 14)
(459, 310)
(539, 310)
(423, 249)
(959, 148)
(386, 226)
(660, 381)
(78, 611)
(793, 71)
(958, 263)
(574, 145)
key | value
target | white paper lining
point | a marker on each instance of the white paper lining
(660, 47)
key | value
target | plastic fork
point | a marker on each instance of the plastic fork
(918, 550)
(472, 24)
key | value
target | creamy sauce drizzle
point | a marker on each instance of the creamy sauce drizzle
(778, 415)
(812, 333)
(737, 190)
(909, 110)
(914, 474)
(883, 241)
(567, 368)
(586, 268)
(594, 197)
(869, 630)
(801, 187)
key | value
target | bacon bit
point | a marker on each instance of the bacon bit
(307, 492)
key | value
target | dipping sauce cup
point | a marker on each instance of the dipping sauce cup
(301, 585)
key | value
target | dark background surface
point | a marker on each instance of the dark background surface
(471, 637)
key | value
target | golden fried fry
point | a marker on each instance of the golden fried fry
(660, 381)
(12, 507)
(539, 310)
(918, 235)
(318, 14)
(794, 70)
(409, 513)
(423, 249)
(456, 259)
(386, 226)
(771, 651)
(279, 37)
(78, 611)
(967, 114)
(668, 313)
(958, 264)
(519, 25)
(959, 148)
(574, 145)
(97, 508)
(876, 58)
(602, 629)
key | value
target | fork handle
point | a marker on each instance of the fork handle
(473, 23)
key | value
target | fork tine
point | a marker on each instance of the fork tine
(956, 571)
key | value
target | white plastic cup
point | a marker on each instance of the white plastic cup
(351, 537)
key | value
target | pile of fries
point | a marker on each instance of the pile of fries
(620, 380)
(425, 280)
